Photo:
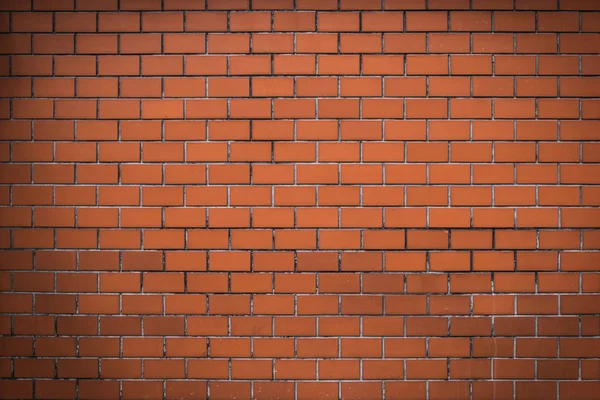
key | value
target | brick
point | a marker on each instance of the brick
(294, 21)
(206, 21)
(184, 43)
(119, 22)
(312, 185)
(426, 21)
(474, 21)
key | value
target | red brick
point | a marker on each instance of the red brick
(260, 171)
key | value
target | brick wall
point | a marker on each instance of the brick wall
(309, 199)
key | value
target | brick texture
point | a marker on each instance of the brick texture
(300, 199)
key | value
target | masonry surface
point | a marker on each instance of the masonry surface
(309, 199)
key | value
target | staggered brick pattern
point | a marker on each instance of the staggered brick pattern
(309, 199)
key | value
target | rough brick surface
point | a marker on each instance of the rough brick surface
(300, 199)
